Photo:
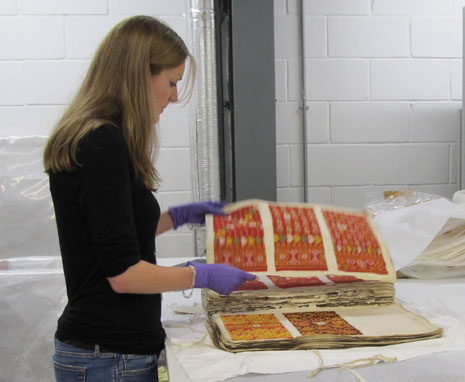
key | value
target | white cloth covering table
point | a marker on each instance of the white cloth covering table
(441, 301)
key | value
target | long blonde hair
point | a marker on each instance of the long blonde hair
(116, 90)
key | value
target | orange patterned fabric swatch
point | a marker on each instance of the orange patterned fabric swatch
(311, 323)
(252, 327)
(239, 240)
(297, 239)
(355, 245)
(294, 282)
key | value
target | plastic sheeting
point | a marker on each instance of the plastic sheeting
(32, 285)
(27, 221)
(33, 296)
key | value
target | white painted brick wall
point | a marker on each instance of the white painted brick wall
(8, 7)
(410, 79)
(456, 79)
(283, 164)
(445, 190)
(293, 87)
(410, 99)
(31, 37)
(412, 7)
(11, 83)
(458, 7)
(365, 36)
(296, 170)
(405, 164)
(29, 120)
(357, 122)
(45, 50)
(281, 80)
(435, 122)
(174, 168)
(53, 82)
(174, 127)
(359, 196)
(384, 83)
(338, 165)
(168, 199)
(437, 37)
(175, 245)
(155, 7)
(62, 7)
(454, 158)
(315, 41)
(289, 194)
(84, 33)
(289, 114)
(288, 27)
(332, 7)
(320, 195)
(341, 165)
(389, 73)
(317, 122)
(332, 79)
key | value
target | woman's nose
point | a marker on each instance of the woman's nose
(174, 95)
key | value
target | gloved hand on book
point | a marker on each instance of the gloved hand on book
(194, 212)
(221, 278)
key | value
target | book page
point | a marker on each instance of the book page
(292, 240)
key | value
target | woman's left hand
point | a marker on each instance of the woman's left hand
(194, 212)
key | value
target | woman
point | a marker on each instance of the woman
(100, 162)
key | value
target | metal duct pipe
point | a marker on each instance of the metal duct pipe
(204, 118)
(303, 105)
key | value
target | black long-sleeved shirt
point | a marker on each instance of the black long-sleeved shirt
(106, 220)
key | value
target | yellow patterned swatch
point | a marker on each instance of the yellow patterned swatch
(252, 327)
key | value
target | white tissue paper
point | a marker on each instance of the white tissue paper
(408, 231)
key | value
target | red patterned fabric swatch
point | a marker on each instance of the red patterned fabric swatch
(294, 282)
(355, 245)
(253, 285)
(239, 240)
(343, 279)
(248, 327)
(311, 323)
(297, 239)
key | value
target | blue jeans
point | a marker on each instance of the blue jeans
(73, 364)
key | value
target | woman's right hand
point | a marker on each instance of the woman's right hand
(221, 278)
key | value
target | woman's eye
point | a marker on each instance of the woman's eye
(173, 84)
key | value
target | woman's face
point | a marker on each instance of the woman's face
(164, 88)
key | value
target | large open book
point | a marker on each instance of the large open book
(324, 280)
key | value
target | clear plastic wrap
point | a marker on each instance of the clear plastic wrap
(33, 296)
(27, 220)
(394, 200)
(32, 285)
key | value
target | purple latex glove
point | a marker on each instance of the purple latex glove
(194, 212)
(221, 278)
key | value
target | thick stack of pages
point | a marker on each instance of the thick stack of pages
(324, 280)
(444, 257)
